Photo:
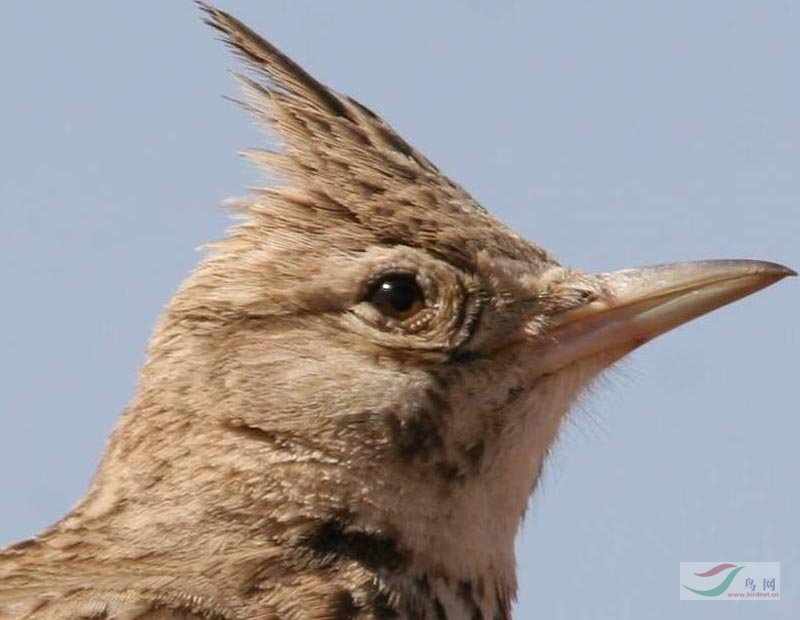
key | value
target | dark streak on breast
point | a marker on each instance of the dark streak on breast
(342, 606)
(382, 609)
(337, 538)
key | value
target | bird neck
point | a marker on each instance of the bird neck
(226, 502)
(189, 479)
(252, 524)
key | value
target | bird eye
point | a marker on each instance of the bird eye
(397, 296)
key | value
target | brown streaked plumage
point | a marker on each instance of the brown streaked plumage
(345, 407)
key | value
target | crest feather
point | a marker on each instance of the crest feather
(348, 161)
(314, 121)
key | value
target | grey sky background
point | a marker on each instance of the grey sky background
(613, 133)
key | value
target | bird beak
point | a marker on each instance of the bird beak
(639, 304)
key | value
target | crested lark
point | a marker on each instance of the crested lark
(345, 408)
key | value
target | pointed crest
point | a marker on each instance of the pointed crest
(345, 159)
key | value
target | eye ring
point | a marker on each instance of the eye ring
(397, 296)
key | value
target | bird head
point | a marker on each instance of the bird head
(371, 351)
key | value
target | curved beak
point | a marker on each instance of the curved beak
(639, 304)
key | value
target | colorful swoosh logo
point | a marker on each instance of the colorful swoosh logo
(717, 569)
(722, 587)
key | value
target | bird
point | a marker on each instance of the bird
(347, 405)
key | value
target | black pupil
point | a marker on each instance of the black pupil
(400, 293)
